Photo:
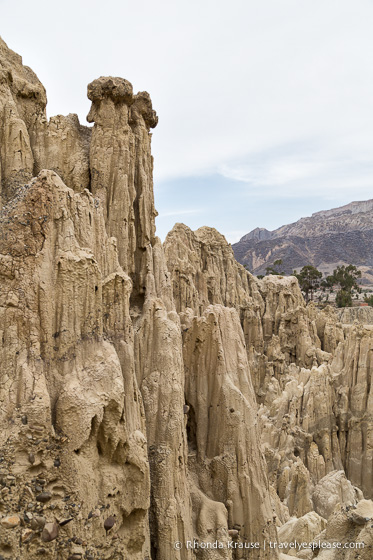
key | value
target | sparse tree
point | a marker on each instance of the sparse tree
(309, 280)
(343, 299)
(327, 283)
(345, 277)
(275, 268)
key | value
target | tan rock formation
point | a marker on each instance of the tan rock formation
(352, 372)
(329, 329)
(159, 368)
(272, 312)
(333, 489)
(351, 530)
(121, 168)
(300, 418)
(28, 142)
(21, 96)
(72, 380)
(300, 530)
(223, 439)
(205, 272)
(62, 144)
(87, 319)
(349, 315)
(156, 395)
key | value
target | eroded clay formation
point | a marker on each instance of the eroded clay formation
(153, 395)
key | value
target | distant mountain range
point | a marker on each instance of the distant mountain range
(326, 239)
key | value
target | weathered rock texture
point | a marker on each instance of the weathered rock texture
(69, 393)
(121, 169)
(155, 395)
(311, 376)
(28, 142)
(348, 315)
(352, 528)
(303, 529)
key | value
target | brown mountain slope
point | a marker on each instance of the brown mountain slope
(325, 239)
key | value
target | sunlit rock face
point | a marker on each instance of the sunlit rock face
(153, 395)
(311, 375)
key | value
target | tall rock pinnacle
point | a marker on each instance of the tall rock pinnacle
(121, 169)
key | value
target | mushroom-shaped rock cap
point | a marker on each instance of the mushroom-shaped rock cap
(142, 105)
(117, 89)
(120, 90)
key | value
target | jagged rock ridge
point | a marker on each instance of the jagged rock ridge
(153, 395)
(326, 239)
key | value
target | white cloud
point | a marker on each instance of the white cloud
(240, 87)
(327, 171)
(275, 173)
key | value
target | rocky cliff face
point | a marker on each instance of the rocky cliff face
(349, 315)
(326, 239)
(155, 395)
(28, 141)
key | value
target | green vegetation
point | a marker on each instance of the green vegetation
(343, 281)
(345, 277)
(309, 279)
(274, 269)
(343, 299)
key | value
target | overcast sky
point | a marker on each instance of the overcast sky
(265, 106)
